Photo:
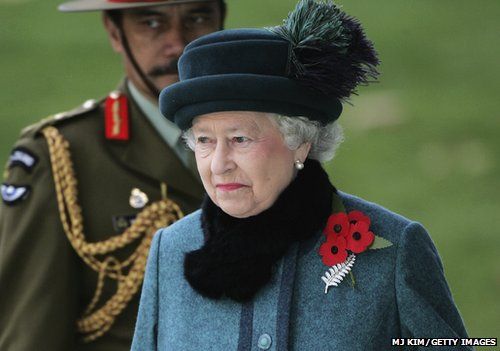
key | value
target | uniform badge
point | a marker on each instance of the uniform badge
(121, 223)
(22, 157)
(12, 194)
(116, 117)
(138, 199)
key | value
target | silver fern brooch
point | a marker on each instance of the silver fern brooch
(336, 273)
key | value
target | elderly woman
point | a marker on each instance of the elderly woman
(277, 258)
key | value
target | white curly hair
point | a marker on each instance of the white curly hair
(324, 139)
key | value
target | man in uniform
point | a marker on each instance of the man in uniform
(85, 190)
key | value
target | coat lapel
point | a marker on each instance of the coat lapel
(285, 298)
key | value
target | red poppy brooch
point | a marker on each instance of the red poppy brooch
(347, 234)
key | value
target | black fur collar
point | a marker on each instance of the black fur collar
(238, 256)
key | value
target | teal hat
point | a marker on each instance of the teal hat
(305, 67)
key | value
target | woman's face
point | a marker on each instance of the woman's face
(243, 161)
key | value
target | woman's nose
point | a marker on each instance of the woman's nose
(222, 161)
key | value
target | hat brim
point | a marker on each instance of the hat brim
(99, 5)
(183, 101)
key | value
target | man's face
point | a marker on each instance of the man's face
(157, 36)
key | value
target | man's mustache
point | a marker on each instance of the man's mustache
(170, 68)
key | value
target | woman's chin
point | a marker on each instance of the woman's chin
(235, 209)
(233, 196)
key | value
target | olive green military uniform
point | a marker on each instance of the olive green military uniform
(45, 285)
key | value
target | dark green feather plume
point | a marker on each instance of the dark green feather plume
(329, 50)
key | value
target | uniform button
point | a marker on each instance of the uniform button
(264, 342)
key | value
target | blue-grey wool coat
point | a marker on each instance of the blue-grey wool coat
(399, 292)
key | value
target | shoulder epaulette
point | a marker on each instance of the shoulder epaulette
(87, 106)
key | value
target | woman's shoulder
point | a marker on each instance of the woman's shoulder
(384, 222)
(353, 202)
(186, 233)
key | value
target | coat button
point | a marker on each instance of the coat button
(264, 342)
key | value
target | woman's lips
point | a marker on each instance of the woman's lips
(229, 186)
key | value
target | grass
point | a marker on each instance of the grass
(422, 142)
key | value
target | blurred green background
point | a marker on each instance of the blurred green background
(423, 142)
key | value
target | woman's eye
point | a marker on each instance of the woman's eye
(202, 140)
(240, 139)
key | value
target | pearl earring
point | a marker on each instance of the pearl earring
(299, 165)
